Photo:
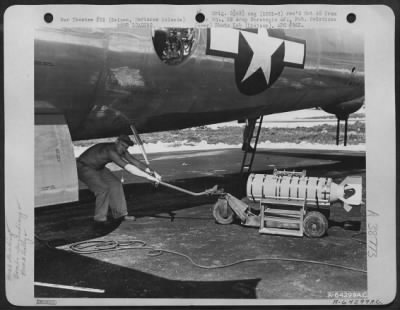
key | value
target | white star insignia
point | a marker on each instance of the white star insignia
(263, 47)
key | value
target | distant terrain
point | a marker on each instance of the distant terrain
(232, 135)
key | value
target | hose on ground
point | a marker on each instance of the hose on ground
(97, 246)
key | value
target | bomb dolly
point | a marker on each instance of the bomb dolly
(289, 203)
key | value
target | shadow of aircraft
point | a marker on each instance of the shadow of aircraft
(66, 268)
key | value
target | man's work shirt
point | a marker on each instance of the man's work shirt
(99, 155)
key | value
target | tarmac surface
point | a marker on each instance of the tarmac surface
(176, 222)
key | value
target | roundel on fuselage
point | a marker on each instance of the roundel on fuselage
(175, 45)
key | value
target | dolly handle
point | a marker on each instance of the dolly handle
(210, 191)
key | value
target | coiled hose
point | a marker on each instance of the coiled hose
(98, 246)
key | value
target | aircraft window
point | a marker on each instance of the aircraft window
(175, 45)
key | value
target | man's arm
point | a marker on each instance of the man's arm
(132, 160)
(126, 158)
(132, 168)
(116, 158)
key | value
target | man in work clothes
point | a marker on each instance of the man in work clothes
(105, 185)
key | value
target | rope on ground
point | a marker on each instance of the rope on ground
(91, 247)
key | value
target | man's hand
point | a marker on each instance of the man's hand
(155, 175)
(157, 178)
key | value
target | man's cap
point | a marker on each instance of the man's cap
(125, 139)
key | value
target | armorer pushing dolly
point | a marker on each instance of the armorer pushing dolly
(107, 188)
(289, 203)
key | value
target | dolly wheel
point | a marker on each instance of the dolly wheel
(315, 224)
(223, 214)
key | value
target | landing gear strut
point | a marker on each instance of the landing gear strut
(346, 120)
(252, 135)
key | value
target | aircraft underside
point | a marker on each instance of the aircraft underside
(98, 84)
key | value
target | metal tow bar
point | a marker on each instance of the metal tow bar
(211, 191)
